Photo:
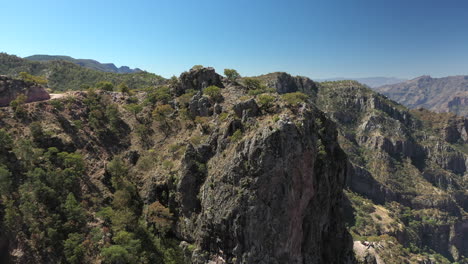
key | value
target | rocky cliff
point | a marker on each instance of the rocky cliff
(11, 88)
(408, 174)
(245, 182)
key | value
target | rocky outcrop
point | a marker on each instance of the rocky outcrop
(247, 108)
(200, 105)
(285, 83)
(272, 198)
(197, 79)
(11, 88)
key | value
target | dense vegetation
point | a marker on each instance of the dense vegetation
(90, 64)
(63, 75)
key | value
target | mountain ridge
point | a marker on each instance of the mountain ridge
(87, 63)
(435, 94)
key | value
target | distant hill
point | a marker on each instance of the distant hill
(87, 63)
(369, 81)
(437, 94)
(63, 75)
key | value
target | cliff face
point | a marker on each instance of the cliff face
(272, 198)
(11, 88)
(411, 163)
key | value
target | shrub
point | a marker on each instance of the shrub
(236, 136)
(159, 216)
(135, 109)
(295, 98)
(214, 92)
(231, 74)
(105, 86)
(265, 101)
(123, 88)
(31, 78)
(252, 83)
(223, 116)
(18, 105)
(160, 94)
(197, 67)
(162, 112)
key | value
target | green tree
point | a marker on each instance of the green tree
(105, 86)
(73, 248)
(265, 101)
(252, 83)
(161, 114)
(123, 88)
(5, 181)
(76, 216)
(18, 105)
(36, 131)
(116, 254)
(160, 94)
(295, 98)
(31, 78)
(135, 109)
(231, 74)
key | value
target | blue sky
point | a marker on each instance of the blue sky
(319, 39)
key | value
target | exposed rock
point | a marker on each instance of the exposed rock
(11, 88)
(248, 107)
(200, 105)
(272, 200)
(285, 83)
(218, 109)
(197, 79)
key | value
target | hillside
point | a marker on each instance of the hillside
(407, 182)
(176, 174)
(270, 169)
(372, 82)
(87, 63)
(63, 75)
(436, 94)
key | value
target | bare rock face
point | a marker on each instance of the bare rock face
(285, 83)
(271, 198)
(248, 107)
(11, 88)
(197, 79)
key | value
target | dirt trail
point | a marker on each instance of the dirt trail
(57, 96)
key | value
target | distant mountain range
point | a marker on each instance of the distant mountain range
(369, 81)
(63, 75)
(87, 63)
(447, 94)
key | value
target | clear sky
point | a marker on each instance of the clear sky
(319, 39)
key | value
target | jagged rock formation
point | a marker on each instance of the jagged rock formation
(11, 88)
(274, 186)
(197, 79)
(285, 83)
